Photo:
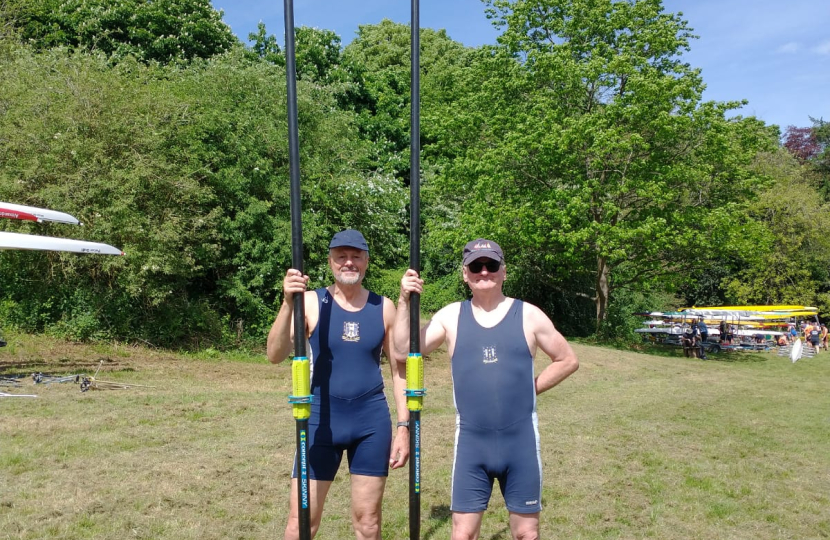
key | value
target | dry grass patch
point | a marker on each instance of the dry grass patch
(634, 446)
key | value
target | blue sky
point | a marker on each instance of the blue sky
(774, 53)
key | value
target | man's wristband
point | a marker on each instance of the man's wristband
(404, 424)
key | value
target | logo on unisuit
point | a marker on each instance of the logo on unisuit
(530, 503)
(490, 355)
(351, 331)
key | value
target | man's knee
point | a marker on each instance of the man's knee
(292, 529)
(366, 525)
(463, 534)
(466, 526)
(524, 526)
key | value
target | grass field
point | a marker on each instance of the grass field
(634, 446)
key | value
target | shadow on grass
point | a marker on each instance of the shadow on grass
(440, 514)
(59, 366)
(503, 534)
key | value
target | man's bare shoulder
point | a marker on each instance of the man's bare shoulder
(447, 313)
(534, 315)
(310, 298)
(388, 308)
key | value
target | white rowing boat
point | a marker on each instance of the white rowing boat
(40, 215)
(47, 243)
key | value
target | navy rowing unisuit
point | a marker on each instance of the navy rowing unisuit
(349, 411)
(497, 435)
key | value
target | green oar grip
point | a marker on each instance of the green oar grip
(415, 382)
(301, 388)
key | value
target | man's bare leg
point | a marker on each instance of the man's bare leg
(524, 526)
(317, 498)
(466, 525)
(367, 504)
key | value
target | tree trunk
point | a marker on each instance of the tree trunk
(603, 273)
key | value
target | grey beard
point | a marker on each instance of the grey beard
(339, 278)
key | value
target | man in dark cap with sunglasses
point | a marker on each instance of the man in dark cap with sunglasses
(492, 340)
(347, 327)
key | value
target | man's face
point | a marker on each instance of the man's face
(348, 264)
(484, 274)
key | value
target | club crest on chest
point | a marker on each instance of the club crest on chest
(351, 331)
(490, 355)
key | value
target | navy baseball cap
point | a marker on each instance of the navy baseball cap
(349, 238)
(482, 248)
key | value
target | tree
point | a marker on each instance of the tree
(790, 259)
(264, 46)
(161, 30)
(186, 170)
(801, 142)
(589, 152)
(317, 53)
(378, 61)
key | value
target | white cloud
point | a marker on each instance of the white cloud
(824, 48)
(790, 47)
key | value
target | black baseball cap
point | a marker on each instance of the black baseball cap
(482, 247)
(349, 238)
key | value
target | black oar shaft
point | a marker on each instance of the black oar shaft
(415, 362)
(300, 409)
(415, 148)
(294, 156)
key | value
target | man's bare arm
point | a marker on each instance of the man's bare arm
(563, 358)
(397, 365)
(281, 335)
(433, 333)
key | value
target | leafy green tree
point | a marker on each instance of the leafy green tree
(820, 161)
(186, 170)
(378, 61)
(588, 151)
(161, 30)
(317, 53)
(265, 47)
(790, 260)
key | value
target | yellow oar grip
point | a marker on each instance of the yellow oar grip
(301, 386)
(414, 382)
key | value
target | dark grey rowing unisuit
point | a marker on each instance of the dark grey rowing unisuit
(497, 435)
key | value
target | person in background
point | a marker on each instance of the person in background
(347, 327)
(813, 333)
(704, 335)
(695, 347)
(492, 340)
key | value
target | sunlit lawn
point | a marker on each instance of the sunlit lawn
(634, 446)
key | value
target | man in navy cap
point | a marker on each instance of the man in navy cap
(347, 327)
(492, 340)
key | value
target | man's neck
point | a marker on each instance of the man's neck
(488, 300)
(347, 294)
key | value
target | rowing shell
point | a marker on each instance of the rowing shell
(47, 243)
(796, 351)
(40, 215)
(775, 307)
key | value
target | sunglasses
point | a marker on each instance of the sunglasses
(491, 266)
